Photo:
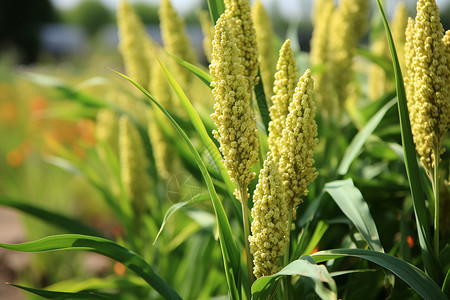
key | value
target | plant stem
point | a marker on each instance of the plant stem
(243, 195)
(436, 200)
(285, 281)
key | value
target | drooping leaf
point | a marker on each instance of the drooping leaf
(177, 206)
(53, 218)
(410, 274)
(431, 263)
(304, 266)
(361, 137)
(66, 295)
(104, 247)
(228, 246)
(351, 202)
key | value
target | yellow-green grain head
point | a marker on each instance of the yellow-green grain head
(266, 46)
(132, 44)
(286, 79)
(320, 55)
(270, 215)
(398, 25)
(430, 65)
(133, 165)
(176, 40)
(233, 117)
(299, 138)
(348, 24)
(241, 25)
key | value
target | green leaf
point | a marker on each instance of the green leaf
(67, 91)
(432, 266)
(446, 285)
(110, 283)
(201, 130)
(228, 246)
(216, 8)
(361, 137)
(410, 274)
(351, 202)
(205, 77)
(53, 218)
(381, 61)
(174, 208)
(304, 266)
(65, 295)
(262, 102)
(101, 246)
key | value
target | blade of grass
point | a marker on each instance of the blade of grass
(174, 208)
(410, 274)
(101, 246)
(68, 91)
(205, 77)
(53, 218)
(304, 266)
(228, 246)
(361, 137)
(351, 202)
(201, 130)
(65, 295)
(262, 102)
(216, 8)
(432, 266)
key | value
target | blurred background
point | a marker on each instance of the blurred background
(48, 31)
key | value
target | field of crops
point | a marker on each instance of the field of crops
(262, 172)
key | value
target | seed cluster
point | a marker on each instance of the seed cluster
(133, 164)
(265, 40)
(282, 183)
(175, 39)
(132, 44)
(299, 139)
(241, 24)
(286, 79)
(233, 117)
(428, 81)
(270, 219)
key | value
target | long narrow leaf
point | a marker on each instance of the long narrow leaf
(431, 264)
(228, 246)
(65, 295)
(302, 267)
(216, 8)
(202, 75)
(53, 218)
(200, 128)
(351, 202)
(262, 103)
(177, 206)
(101, 246)
(410, 274)
(360, 138)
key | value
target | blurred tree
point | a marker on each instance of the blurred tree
(147, 13)
(20, 24)
(92, 15)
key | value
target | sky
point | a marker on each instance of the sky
(289, 9)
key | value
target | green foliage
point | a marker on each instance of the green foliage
(190, 242)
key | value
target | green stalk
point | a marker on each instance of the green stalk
(243, 195)
(436, 199)
(285, 281)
